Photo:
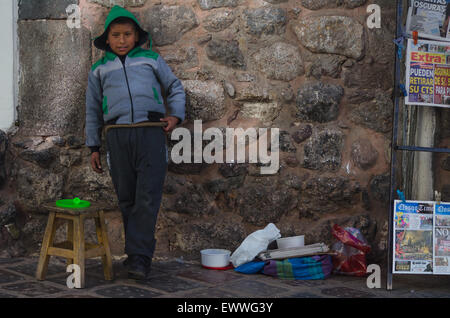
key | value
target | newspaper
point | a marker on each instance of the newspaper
(308, 250)
(428, 73)
(413, 237)
(429, 18)
(442, 239)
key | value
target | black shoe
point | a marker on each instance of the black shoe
(138, 267)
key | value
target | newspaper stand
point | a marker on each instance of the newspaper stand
(399, 93)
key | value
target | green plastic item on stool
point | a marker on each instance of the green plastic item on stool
(75, 203)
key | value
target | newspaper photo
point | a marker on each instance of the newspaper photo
(442, 239)
(428, 73)
(430, 18)
(413, 237)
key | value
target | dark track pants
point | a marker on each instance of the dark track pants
(137, 158)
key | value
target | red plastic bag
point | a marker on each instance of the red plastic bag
(351, 250)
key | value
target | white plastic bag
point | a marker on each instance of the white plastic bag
(254, 244)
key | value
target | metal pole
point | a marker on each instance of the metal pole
(393, 149)
(423, 149)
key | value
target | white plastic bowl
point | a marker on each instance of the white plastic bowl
(292, 241)
(215, 258)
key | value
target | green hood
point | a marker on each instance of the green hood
(117, 12)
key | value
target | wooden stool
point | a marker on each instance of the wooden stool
(75, 250)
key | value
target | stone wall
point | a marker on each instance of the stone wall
(313, 69)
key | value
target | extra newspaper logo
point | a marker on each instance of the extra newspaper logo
(428, 58)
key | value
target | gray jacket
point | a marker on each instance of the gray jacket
(127, 92)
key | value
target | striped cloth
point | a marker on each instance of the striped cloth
(299, 268)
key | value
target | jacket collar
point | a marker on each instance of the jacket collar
(112, 56)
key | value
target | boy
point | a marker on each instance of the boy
(124, 88)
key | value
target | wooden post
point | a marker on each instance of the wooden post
(47, 242)
(79, 246)
(102, 236)
(70, 239)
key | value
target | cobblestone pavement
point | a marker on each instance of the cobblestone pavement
(179, 279)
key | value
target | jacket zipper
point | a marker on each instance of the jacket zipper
(129, 92)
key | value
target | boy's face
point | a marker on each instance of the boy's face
(122, 37)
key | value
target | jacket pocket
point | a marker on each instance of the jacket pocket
(156, 95)
(105, 105)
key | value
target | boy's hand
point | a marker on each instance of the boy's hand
(95, 162)
(171, 123)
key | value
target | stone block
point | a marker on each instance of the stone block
(319, 102)
(211, 4)
(44, 9)
(266, 20)
(363, 154)
(323, 151)
(259, 204)
(219, 20)
(376, 114)
(226, 52)
(325, 194)
(205, 100)
(55, 63)
(331, 34)
(280, 61)
(167, 24)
